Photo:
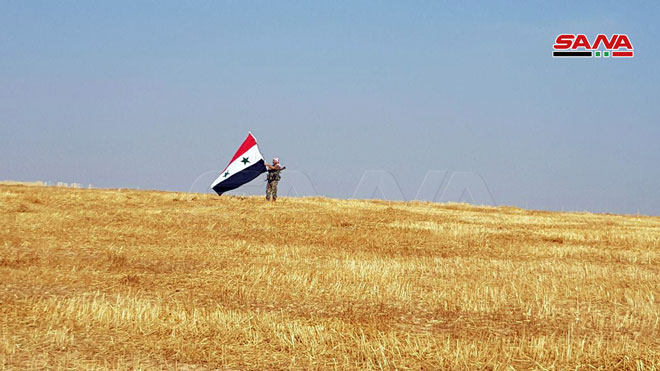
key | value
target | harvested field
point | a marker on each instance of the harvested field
(145, 279)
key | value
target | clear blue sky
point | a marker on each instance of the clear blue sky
(153, 94)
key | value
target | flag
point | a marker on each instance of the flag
(246, 165)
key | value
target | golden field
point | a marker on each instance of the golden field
(142, 279)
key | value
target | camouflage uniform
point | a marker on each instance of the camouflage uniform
(273, 178)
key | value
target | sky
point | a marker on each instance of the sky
(160, 94)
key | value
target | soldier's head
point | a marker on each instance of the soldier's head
(276, 161)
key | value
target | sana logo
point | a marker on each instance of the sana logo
(578, 46)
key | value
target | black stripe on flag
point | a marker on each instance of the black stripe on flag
(244, 176)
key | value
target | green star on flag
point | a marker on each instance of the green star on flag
(245, 160)
(227, 173)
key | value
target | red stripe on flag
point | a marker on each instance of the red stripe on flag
(622, 54)
(247, 144)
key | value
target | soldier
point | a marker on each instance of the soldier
(272, 178)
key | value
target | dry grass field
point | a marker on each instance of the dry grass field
(136, 279)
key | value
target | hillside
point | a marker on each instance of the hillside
(126, 279)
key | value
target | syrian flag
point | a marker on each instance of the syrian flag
(246, 165)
